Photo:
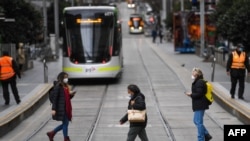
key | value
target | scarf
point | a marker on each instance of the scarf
(68, 106)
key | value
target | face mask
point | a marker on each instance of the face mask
(65, 80)
(192, 77)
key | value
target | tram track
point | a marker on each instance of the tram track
(88, 135)
(164, 121)
(97, 118)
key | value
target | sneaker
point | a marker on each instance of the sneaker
(232, 96)
(208, 137)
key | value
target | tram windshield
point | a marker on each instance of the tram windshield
(89, 35)
(136, 21)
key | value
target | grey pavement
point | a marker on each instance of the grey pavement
(33, 80)
(32, 91)
(221, 81)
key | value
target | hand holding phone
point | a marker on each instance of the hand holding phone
(73, 92)
(187, 93)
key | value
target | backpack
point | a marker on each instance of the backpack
(52, 92)
(209, 93)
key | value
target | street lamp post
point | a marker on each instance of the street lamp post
(202, 26)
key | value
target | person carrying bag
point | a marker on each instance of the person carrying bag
(136, 102)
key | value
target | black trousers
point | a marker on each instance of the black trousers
(6, 95)
(238, 75)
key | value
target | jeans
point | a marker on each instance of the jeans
(134, 131)
(198, 121)
(63, 126)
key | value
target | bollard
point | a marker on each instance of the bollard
(45, 70)
(213, 69)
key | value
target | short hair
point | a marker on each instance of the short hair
(135, 89)
(198, 71)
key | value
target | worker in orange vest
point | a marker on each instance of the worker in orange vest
(237, 65)
(8, 72)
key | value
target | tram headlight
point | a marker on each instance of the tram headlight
(132, 28)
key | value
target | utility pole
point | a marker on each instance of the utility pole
(56, 15)
(182, 5)
(202, 26)
(164, 11)
(45, 21)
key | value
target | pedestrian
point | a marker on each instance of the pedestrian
(236, 68)
(199, 103)
(137, 102)
(160, 34)
(8, 73)
(21, 57)
(154, 35)
(61, 106)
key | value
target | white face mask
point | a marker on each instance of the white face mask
(192, 77)
(65, 80)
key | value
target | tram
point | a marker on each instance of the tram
(136, 23)
(186, 30)
(92, 42)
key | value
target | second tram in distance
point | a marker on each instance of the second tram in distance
(92, 42)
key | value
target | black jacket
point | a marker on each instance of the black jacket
(138, 105)
(199, 89)
(58, 102)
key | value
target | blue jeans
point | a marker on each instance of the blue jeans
(63, 126)
(198, 121)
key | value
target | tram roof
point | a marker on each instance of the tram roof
(110, 7)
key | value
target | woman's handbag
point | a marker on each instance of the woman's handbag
(136, 115)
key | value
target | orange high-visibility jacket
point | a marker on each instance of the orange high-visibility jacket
(238, 60)
(6, 70)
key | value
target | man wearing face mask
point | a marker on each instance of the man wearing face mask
(236, 68)
(61, 106)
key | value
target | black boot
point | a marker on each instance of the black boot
(208, 137)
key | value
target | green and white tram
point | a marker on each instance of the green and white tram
(92, 42)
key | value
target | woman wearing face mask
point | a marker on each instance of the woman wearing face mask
(61, 106)
(199, 104)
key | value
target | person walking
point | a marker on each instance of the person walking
(21, 57)
(61, 106)
(8, 73)
(160, 34)
(137, 102)
(154, 35)
(236, 68)
(199, 103)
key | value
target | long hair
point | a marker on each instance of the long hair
(135, 89)
(60, 77)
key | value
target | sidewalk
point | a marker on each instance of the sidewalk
(221, 83)
(32, 91)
